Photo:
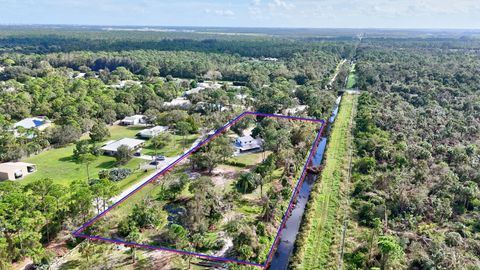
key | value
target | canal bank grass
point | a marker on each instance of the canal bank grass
(322, 223)
(352, 78)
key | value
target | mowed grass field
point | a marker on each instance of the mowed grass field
(175, 147)
(59, 165)
(314, 243)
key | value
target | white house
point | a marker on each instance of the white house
(247, 143)
(122, 84)
(202, 86)
(152, 132)
(111, 147)
(133, 120)
(39, 123)
(178, 102)
(16, 170)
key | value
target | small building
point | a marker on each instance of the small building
(39, 123)
(111, 147)
(122, 84)
(133, 120)
(152, 132)
(202, 86)
(247, 144)
(178, 102)
(16, 170)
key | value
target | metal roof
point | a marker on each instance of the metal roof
(131, 143)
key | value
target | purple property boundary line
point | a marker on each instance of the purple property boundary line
(220, 130)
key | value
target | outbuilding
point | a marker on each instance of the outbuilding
(16, 170)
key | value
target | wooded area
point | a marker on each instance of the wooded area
(414, 188)
(416, 174)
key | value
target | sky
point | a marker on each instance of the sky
(464, 14)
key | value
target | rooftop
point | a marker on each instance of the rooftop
(133, 117)
(131, 143)
(245, 139)
(9, 166)
(32, 122)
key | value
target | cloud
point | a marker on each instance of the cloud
(220, 12)
(289, 13)
(281, 4)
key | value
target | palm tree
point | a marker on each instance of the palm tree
(87, 159)
(87, 249)
(133, 237)
(247, 182)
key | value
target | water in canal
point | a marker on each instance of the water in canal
(292, 225)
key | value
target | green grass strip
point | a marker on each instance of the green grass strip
(320, 222)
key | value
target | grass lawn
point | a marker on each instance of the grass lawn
(352, 78)
(250, 159)
(322, 225)
(175, 147)
(118, 132)
(58, 164)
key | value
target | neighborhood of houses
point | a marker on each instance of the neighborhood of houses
(25, 127)
(18, 170)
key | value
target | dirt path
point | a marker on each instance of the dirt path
(337, 70)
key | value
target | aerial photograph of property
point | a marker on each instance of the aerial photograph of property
(240, 135)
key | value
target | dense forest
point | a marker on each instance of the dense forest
(416, 177)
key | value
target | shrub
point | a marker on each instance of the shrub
(118, 174)
(453, 239)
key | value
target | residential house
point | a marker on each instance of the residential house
(247, 144)
(133, 120)
(111, 148)
(202, 86)
(152, 132)
(39, 123)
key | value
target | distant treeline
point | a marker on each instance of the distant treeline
(45, 41)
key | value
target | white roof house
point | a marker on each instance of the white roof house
(124, 83)
(202, 86)
(180, 102)
(112, 147)
(33, 122)
(133, 120)
(152, 132)
(16, 170)
(247, 143)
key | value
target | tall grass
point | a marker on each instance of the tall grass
(321, 223)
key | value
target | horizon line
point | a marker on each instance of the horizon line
(244, 27)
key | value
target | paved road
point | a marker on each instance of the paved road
(162, 165)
